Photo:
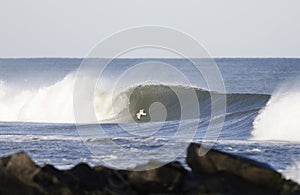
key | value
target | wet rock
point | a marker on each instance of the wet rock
(113, 181)
(20, 165)
(52, 180)
(16, 172)
(220, 183)
(215, 173)
(82, 179)
(166, 179)
(257, 174)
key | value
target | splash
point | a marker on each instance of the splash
(51, 104)
(47, 104)
(293, 172)
(279, 120)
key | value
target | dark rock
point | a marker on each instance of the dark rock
(16, 172)
(113, 181)
(53, 181)
(216, 172)
(82, 179)
(85, 178)
(258, 174)
(166, 179)
(10, 184)
(221, 182)
(20, 165)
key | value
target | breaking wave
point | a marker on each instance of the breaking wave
(54, 103)
(279, 120)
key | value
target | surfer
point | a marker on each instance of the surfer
(140, 114)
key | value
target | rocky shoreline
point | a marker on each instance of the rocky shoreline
(215, 173)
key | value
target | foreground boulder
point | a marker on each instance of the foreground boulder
(169, 178)
(16, 175)
(259, 175)
(216, 172)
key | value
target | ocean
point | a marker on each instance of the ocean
(261, 119)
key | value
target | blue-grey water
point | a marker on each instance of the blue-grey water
(35, 113)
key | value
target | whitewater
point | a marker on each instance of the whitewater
(279, 120)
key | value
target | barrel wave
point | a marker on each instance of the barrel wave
(142, 96)
(54, 103)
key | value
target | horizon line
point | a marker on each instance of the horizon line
(217, 57)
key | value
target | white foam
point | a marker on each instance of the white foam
(47, 104)
(280, 119)
(53, 104)
(33, 138)
(293, 172)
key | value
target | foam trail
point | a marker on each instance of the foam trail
(279, 120)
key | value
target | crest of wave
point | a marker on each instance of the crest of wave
(47, 104)
(51, 104)
(279, 120)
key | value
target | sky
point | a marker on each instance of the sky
(71, 28)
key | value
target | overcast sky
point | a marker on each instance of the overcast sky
(227, 28)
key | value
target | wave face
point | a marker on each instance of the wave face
(54, 103)
(143, 96)
(279, 120)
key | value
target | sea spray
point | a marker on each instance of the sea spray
(293, 171)
(50, 104)
(47, 104)
(279, 120)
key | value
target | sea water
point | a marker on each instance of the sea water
(261, 120)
